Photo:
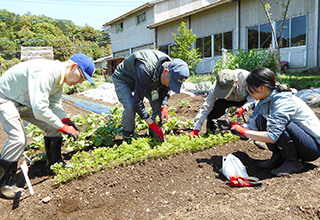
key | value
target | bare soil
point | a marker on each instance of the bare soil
(185, 186)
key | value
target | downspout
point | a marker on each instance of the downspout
(239, 23)
(156, 37)
(318, 34)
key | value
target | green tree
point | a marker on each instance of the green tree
(266, 8)
(183, 48)
(63, 35)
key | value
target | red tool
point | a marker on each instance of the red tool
(236, 180)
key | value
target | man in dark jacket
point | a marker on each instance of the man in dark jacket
(150, 74)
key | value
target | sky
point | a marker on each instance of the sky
(94, 13)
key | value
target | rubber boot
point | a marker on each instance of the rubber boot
(53, 151)
(292, 163)
(276, 159)
(127, 136)
(7, 172)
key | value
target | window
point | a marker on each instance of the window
(203, 44)
(253, 37)
(265, 36)
(294, 34)
(259, 36)
(119, 27)
(164, 49)
(141, 18)
(285, 33)
(222, 40)
(298, 31)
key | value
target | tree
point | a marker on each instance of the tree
(182, 50)
(266, 8)
(63, 35)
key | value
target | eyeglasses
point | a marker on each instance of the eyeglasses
(81, 73)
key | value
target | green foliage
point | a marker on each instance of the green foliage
(63, 35)
(98, 80)
(201, 78)
(141, 149)
(249, 60)
(99, 131)
(6, 64)
(182, 50)
(78, 87)
(105, 134)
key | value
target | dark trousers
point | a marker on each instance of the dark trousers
(219, 109)
(307, 147)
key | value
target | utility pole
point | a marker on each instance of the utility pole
(74, 45)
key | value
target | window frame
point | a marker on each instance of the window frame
(119, 30)
(144, 18)
(287, 33)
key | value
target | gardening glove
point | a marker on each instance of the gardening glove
(238, 130)
(156, 132)
(194, 133)
(221, 124)
(236, 180)
(70, 131)
(164, 112)
(67, 121)
(239, 111)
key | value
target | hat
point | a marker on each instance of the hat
(179, 73)
(86, 65)
(224, 83)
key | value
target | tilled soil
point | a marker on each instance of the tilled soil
(185, 186)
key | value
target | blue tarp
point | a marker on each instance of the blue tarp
(92, 106)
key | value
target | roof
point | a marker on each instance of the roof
(195, 11)
(101, 59)
(152, 3)
(144, 6)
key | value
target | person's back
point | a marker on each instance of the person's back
(126, 69)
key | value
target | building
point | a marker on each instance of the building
(102, 62)
(221, 24)
(30, 53)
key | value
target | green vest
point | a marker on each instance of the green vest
(152, 60)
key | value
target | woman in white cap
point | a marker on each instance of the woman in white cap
(31, 91)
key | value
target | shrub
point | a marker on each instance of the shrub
(249, 60)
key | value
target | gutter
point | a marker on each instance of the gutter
(189, 13)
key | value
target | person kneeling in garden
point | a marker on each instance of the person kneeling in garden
(229, 89)
(32, 91)
(283, 121)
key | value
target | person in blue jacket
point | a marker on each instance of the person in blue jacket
(283, 121)
(151, 74)
(32, 91)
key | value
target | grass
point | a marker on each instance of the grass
(86, 85)
(299, 80)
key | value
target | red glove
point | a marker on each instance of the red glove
(238, 130)
(156, 131)
(67, 121)
(194, 133)
(236, 180)
(164, 112)
(70, 131)
(240, 111)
